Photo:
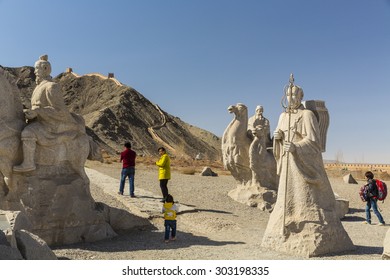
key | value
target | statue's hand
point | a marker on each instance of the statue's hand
(289, 147)
(30, 114)
(278, 134)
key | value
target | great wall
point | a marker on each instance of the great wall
(358, 166)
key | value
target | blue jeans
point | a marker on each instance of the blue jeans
(127, 172)
(371, 202)
(170, 224)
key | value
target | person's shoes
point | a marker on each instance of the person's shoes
(166, 240)
(132, 195)
(173, 238)
(381, 224)
(121, 193)
(367, 223)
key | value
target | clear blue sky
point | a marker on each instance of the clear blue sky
(194, 58)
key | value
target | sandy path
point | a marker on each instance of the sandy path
(213, 226)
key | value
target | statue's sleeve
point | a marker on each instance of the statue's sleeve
(308, 156)
(278, 146)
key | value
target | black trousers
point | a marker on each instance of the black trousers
(164, 187)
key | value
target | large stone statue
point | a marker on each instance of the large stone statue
(250, 162)
(304, 220)
(11, 124)
(235, 144)
(50, 186)
(52, 127)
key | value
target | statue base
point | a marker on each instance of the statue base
(254, 195)
(59, 205)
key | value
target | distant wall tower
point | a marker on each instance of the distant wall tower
(68, 70)
(110, 75)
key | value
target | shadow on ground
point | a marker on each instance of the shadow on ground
(146, 240)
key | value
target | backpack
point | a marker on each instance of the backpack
(382, 190)
(363, 193)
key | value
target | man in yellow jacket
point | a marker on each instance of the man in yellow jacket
(164, 171)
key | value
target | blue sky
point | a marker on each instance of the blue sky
(194, 58)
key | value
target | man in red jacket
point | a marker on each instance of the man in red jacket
(128, 168)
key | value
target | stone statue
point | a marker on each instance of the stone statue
(50, 186)
(235, 144)
(261, 160)
(11, 125)
(304, 220)
(258, 120)
(60, 134)
(250, 163)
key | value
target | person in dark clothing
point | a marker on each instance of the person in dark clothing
(128, 168)
(372, 194)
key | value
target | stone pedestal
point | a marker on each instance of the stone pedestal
(254, 195)
(59, 206)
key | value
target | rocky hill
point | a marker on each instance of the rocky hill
(115, 113)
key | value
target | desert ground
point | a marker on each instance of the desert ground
(211, 226)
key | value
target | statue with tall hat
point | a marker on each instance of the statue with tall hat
(304, 220)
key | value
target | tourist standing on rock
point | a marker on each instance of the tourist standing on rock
(169, 209)
(128, 168)
(164, 171)
(372, 198)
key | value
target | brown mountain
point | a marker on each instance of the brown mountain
(115, 113)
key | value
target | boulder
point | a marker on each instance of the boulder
(342, 206)
(32, 247)
(208, 172)
(349, 179)
(19, 244)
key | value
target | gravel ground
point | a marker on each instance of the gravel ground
(216, 227)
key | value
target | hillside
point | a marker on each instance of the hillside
(115, 113)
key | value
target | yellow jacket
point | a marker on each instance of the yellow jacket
(164, 167)
(169, 209)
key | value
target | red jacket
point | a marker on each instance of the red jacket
(128, 158)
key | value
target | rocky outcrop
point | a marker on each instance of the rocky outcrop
(17, 243)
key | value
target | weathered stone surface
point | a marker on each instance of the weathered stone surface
(20, 244)
(9, 253)
(262, 161)
(208, 172)
(254, 196)
(32, 247)
(18, 220)
(342, 206)
(12, 122)
(304, 220)
(60, 208)
(386, 246)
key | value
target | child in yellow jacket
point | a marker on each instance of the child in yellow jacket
(169, 209)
